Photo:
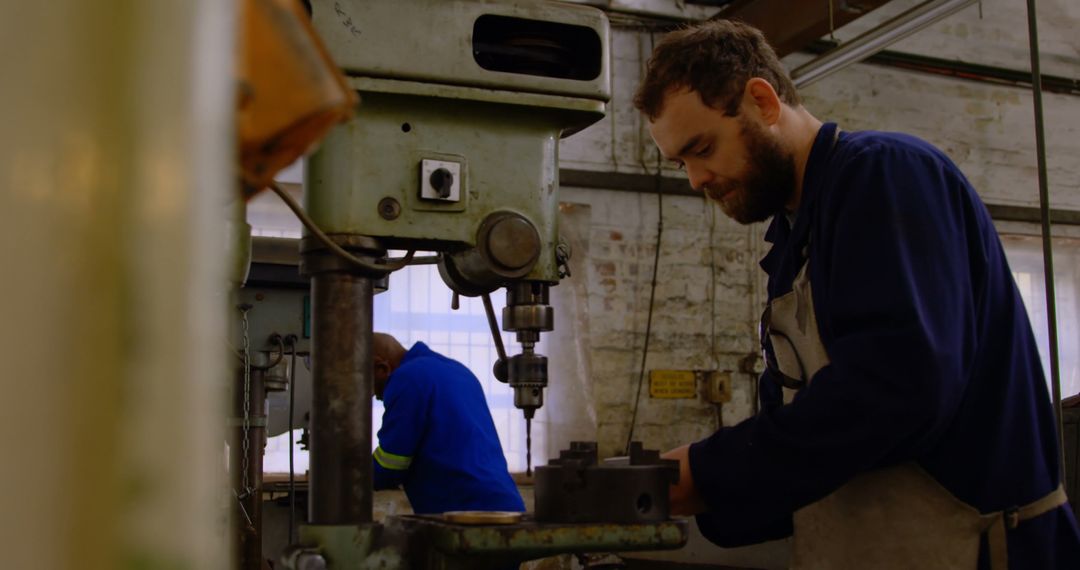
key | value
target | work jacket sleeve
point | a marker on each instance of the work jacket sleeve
(407, 403)
(889, 262)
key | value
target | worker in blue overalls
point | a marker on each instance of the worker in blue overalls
(437, 439)
(909, 424)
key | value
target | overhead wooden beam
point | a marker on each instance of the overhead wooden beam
(791, 25)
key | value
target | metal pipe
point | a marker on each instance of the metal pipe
(1044, 211)
(877, 39)
(248, 524)
(955, 69)
(342, 384)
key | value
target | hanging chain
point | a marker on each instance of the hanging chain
(246, 489)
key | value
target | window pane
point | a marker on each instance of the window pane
(1025, 259)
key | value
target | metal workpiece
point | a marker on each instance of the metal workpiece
(342, 386)
(575, 488)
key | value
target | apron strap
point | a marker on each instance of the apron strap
(1010, 518)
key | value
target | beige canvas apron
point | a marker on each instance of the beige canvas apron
(897, 517)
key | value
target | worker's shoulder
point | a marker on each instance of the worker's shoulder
(430, 366)
(890, 147)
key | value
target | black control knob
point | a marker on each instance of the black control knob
(442, 180)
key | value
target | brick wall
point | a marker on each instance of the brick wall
(988, 130)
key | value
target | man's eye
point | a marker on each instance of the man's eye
(705, 150)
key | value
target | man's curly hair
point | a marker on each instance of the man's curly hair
(715, 59)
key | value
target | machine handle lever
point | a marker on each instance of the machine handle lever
(499, 370)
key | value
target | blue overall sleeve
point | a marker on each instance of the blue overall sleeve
(890, 270)
(407, 401)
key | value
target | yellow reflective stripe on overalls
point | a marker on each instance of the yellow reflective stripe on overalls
(391, 461)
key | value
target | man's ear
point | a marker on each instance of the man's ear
(380, 366)
(760, 97)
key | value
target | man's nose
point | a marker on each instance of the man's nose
(698, 177)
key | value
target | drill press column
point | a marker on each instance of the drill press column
(342, 383)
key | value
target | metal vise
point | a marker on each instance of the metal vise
(576, 489)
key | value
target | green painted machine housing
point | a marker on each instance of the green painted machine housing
(424, 96)
(431, 41)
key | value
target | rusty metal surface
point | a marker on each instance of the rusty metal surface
(531, 539)
(427, 542)
(340, 460)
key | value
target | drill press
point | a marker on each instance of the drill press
(453, 149)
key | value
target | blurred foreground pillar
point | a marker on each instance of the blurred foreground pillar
(116, 158)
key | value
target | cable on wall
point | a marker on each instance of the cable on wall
(658, 189)
(652, 299)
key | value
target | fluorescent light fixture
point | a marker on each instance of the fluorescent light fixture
(877, 39)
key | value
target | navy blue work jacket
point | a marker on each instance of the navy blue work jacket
(932, 357)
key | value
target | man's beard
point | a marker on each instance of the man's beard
(768, 183)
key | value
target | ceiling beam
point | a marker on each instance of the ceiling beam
(791, 25)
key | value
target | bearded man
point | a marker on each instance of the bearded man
(906, 421)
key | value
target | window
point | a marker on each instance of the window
(1025, 259)
(417, 308)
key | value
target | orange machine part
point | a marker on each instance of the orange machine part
(290, 94)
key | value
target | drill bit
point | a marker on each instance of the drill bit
(528, 447)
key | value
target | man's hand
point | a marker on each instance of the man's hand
(684, 496)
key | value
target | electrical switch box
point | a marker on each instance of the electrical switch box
(440, 180)
(716, 386)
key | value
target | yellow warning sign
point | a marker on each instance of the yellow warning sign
(672, 384)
